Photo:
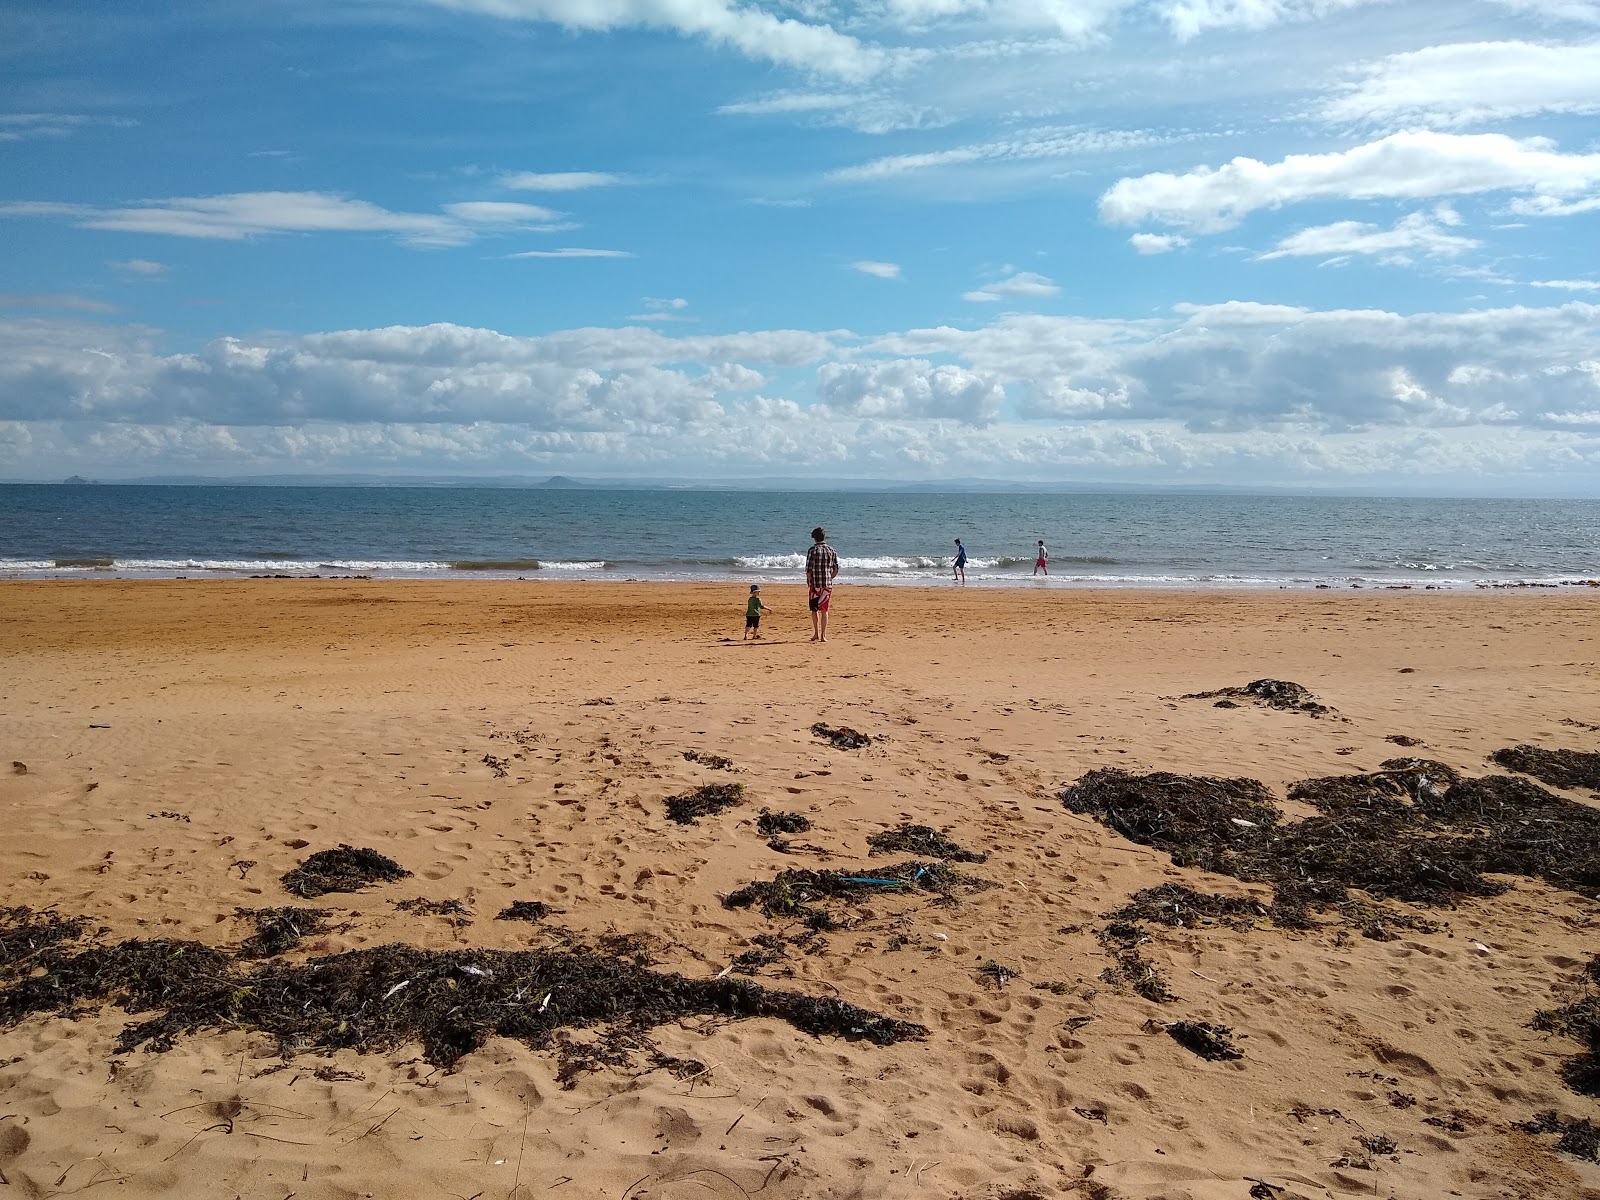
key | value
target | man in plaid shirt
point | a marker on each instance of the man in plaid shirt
(822, 567)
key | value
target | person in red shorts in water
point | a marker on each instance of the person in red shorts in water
(1042, 562)
(822, 568)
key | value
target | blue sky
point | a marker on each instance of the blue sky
(1312, 243)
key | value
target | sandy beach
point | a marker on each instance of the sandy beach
(172, 748)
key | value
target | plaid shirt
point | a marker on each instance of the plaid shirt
(822, 564)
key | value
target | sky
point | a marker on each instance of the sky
(1297, 243)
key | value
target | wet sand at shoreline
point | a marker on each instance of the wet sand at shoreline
(509, 741)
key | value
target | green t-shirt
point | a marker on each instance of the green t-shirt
(753, 609)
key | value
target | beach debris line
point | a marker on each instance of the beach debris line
(921, 839)
(524, 910)
(704, 801)
(1558, 768)
(345, 869)
(769, 823)
(714, 762)
(1271, 693)
(279, 930)
(841, 737)
(800, 894)
(378, 999)
(1414, 831)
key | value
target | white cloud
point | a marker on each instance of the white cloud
(1157, 243)
(1472, 82)
(663, 310)
(1422, 233)
(1189, 18)
(18, 127)
(501, 212)
(1025, 285)
(56, 300)
(1567, 285)
(253, 214)
(883, 270)
(1030, 146)
(748, 31)
(866, 113)
(558, 181)
(572, 252)
(1414, 165)
(909, 388)
(142, 268)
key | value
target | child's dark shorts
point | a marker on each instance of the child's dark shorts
(753, 622)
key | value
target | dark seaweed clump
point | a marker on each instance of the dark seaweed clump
(345, 869)
(25, 932)
(706, 801)
(1558, 768)
(524, 910)
(279, 930)
(770, 824)
(715, 762)
(1184, 908)
(1414, 831)
(1579, 1020)
(842, 737)
(1274, 693)
(375, 1000)
(1130, 968)
(1578, 1138)
(799, 894)
(921, 839)
(1214, 1042)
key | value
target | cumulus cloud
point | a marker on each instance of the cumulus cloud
(253, 214)
(1419, 233)
(558, 181)
(1471, 82)
(748, 31)
(909, 388)
(1412, 165)
(1157, 243)
(1277, 392)
(1025, 285)
(883, 270)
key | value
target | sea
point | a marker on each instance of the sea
(1164, 540)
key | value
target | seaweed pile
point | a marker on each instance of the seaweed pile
(770, 824)
(279, 930)
(1558, 768)
(1131, 969)
(706, 801)
(1213, 1042)
(381, 998)
(842, 737)
(1184, 908)
(798, 894)
(1414, 831)
(921, 839)
(524, 910)
(1579, 1020)
(1274, 693)
(345, 869)
(1578, 1137)
(714, 762)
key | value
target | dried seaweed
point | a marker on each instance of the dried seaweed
(1273, 693)
(800, 894)
(769, 823)
(714, 762)
(1414, 831)
(921, 839)
(1578, 1019)
(375, 1000)
(841, 737)
(1558, 768)
(705, 801)
(1213, 1042)
(524, 910)
(1184, 908)
(24, 932)
(1131, 969)
(996, 975)
(422, 906)
(279, 930)
(345, 869)
(1578, 1137)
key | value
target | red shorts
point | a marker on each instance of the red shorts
(820, 598)
(1038, 563)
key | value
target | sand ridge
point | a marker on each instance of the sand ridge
(517, 741)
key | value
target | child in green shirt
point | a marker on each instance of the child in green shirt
(752, 613)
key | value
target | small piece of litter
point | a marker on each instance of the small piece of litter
(1240, 821)
(942, 937)
(1480, 947)
(399, 987)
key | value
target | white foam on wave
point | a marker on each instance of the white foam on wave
(547, 565)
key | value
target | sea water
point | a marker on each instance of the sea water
(1161, 540)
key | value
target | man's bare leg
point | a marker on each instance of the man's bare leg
(822, 626)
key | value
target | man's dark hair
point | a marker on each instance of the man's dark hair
(819, 534)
